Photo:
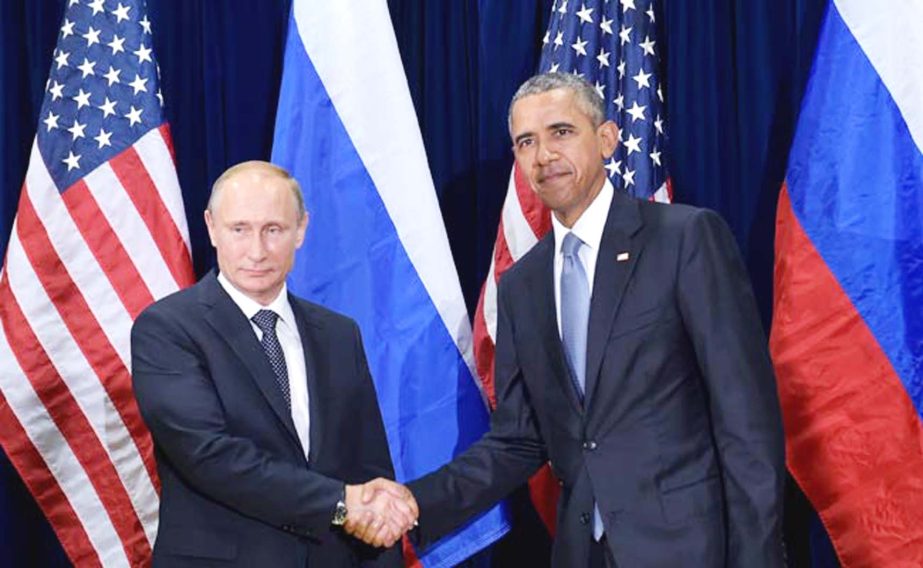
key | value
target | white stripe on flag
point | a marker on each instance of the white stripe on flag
(348, 62)
(155, 155)
(79, 261)
(490, 299)
(516, 229)
(885, 30)
(83, 383)
(132, 232)
(63, 465)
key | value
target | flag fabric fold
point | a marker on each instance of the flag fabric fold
(376, 247)
(847, 334)
(99, 234)
(614, 46)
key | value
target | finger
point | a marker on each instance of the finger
(401, 515)
(402, 506)
(368, 493)
(387, 535)
(364, 529)
(412, 503)
(392, 488)
(370, 532)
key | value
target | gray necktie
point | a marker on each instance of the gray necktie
(266, 321)
(575, 311)
(575, 315)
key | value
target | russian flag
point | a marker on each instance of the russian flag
(376, 246)
(847, 335)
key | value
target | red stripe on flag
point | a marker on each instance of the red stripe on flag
(854, 441)
(143, 193)
(84, 328)
(503, 258)
(73, 425)
(106, 247)
(168, 140)
(545, 490)
(537, 215)
(41, 483)
(484, 352)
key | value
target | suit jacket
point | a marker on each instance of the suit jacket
(236, 487)
(680, 439)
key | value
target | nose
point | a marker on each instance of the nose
(256, 249)
(545, 154)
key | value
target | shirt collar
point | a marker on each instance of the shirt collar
(249, 306)
(589, 227)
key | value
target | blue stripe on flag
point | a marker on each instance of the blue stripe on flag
(353, 261)
(855, 178)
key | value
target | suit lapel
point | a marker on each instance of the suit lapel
(310, 328)
(230, 324)
(542, 286)
(618, 255)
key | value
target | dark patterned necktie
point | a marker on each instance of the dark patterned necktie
(266, 321)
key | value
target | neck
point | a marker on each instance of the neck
(568, 217)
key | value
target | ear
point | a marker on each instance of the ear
(300, 230)
(608, 135)
(210, 225)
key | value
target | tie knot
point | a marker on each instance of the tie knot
(265, 320)
(571, 244)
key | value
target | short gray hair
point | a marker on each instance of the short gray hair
(271, 169)
(587, 98)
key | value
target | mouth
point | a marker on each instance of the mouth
(256, 272)
(552, 177)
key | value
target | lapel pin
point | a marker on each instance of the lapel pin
(622, 257)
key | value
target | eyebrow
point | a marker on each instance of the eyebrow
(557, 125)
(553, 126)
(522, 136)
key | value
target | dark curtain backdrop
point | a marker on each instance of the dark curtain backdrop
(735, 71)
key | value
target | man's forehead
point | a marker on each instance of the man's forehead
(538, 112)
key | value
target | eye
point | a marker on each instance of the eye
(562, 132)
(524, 143)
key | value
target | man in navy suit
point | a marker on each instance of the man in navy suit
(262, 410)
(631, 356)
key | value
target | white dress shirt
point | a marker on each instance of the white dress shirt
(589, 229)
(292, 349)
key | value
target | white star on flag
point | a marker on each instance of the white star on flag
(585, 14)
(633, 144)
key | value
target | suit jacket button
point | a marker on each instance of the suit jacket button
(584, 518)
(589, 445)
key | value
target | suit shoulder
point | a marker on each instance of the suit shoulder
(178, 303)
(322, 314)
(677, 217)
(534, 261)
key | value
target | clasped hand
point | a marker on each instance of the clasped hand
(380, 512)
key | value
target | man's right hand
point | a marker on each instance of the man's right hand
(380, 512)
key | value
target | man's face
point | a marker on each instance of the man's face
(255, 228)
(560, 151)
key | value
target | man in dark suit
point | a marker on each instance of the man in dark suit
(631, 356)
(262, 410)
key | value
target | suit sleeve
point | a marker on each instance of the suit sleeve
(721, 318)
(181, 408)
(376, 458)
(510, 452)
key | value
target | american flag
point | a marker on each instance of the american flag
(614, 46)
(100, 233)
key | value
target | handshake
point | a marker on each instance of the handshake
(380, 512)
